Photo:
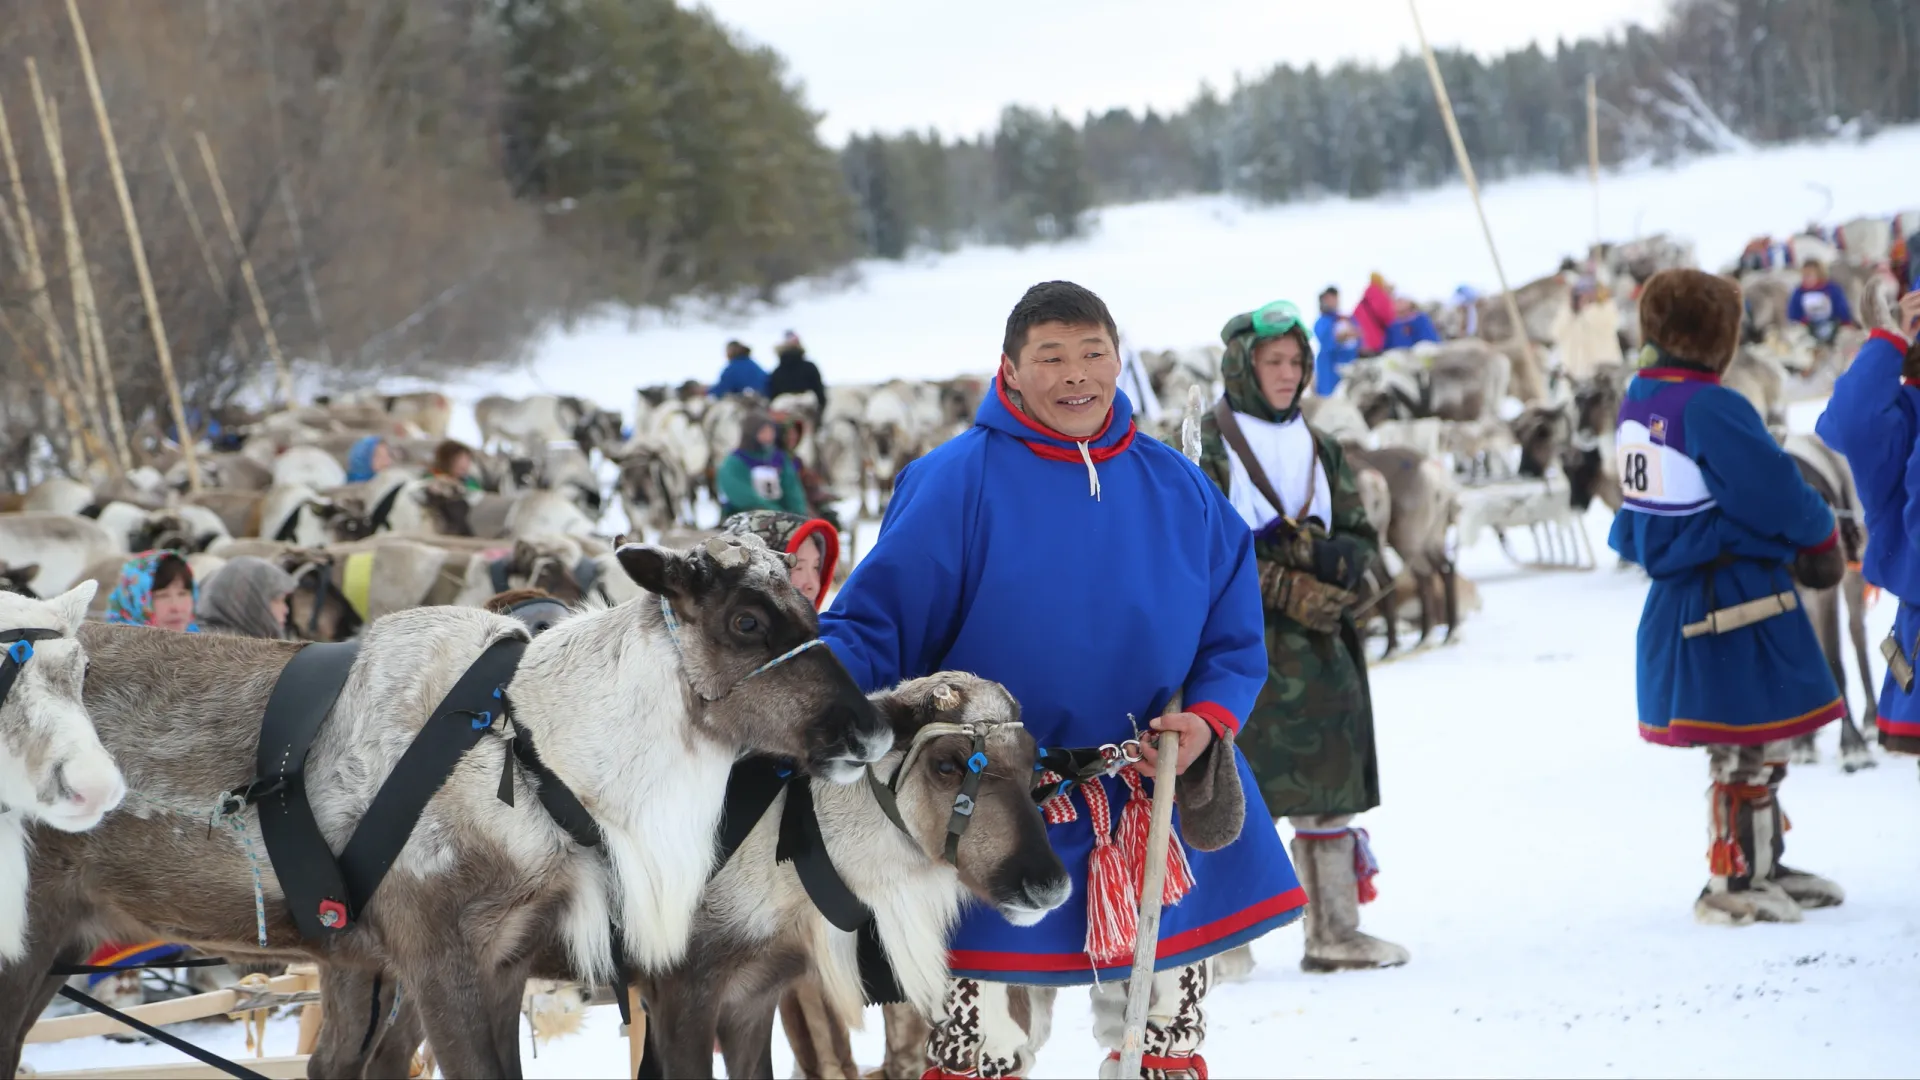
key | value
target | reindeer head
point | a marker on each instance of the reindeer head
(546, 563)
(1004, 857)
(345, 517)
(1542, 431)
(317, 610)
(597, 428)
(52, 765)
(736, 620)
(170, 531)
(19, 579)
(446, 502)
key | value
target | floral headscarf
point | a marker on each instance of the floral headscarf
(131, 601)
(1240, 335)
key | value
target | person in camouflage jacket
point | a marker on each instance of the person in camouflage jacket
(1310, 739)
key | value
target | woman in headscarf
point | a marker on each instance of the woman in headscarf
(1310, 738)
(369, 458)
(155, 589)
(246, 598)
(760, 475)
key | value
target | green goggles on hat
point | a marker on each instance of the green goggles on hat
(1272, 320)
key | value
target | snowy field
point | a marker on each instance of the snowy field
(1539, 859)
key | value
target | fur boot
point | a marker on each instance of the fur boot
(987, 1030)
(1324, 850)
(1234, 965)
(1743, 859)
(1176, 1024)
(1808, 890)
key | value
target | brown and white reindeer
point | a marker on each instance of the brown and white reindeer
(639, 710)
(1424, 503)
(60, 546)
(53, 770)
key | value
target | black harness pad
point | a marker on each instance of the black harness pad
(308, 687)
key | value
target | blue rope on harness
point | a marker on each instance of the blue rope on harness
(673, 633)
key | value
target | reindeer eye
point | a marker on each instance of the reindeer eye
(946, 767)
(745, 624)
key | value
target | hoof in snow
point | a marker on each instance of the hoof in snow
(1854, 761)
(1804, 755)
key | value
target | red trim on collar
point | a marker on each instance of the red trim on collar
(1824, 545)
(1097, 453)
(1888, 336)
(1041, 429)
(1673, 374)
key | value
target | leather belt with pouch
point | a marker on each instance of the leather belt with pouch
(1898, 665)
(1723, 620)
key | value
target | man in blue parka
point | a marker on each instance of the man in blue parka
(1098, 574)
(1874, 420)
(1716, 511)
(740, 375)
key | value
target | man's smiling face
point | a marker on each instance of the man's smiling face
(1065, 375)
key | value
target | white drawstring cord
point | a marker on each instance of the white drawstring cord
(1093, 475)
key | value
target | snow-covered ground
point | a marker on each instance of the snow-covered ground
(1539, 859)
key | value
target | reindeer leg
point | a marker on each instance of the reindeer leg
(1389, 605)
(467, 1014)
(1856, 589)
(53, 916)
(1423, 585)
(394, 1048)
(1449, 578)
(746, 1036)
(683, 1019)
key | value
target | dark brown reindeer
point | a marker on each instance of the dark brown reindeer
(639, 710)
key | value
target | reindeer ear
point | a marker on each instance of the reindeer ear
(72, 604)
(654, 569)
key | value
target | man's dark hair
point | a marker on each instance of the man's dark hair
(1331, 290)
(1055, 301)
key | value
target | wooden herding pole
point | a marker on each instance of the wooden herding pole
(92, 342)
(235, 337)
(1473, 185)
(23, 238)
(1593, 153)
(139, 249)
(246, 269)
(55, 388)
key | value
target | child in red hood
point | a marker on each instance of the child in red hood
(1373, 315)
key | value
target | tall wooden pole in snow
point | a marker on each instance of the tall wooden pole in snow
(1473, 185)
(138, 248)
(1593, 152)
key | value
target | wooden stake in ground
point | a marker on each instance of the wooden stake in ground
(86, 311)
(1473, 185)
(139, 250)
(23, 238)
(246, 269)
(1593, 152)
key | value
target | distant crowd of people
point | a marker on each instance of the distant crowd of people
(1382, 320)
(766, 471)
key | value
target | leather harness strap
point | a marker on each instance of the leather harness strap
(310, 879)
(383, 509)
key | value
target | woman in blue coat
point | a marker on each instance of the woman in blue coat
(1098, 575)
(1874, 420)
(1716, 511)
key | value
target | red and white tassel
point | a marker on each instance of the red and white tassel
(1057, 810)
(1113, 894)
(1136, 818)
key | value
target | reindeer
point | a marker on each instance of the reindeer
(297, 514)
(62, 546)
(653, 486)
(18, 579)
(1827, 473)
(1424, 504)
(639, 710)
(53, 769)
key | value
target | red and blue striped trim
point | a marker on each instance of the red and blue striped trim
(1178, 950)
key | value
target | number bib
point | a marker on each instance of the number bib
(1656, 478)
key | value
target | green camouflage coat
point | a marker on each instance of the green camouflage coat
(1310, 738)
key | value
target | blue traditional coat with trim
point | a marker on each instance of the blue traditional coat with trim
(1703, 479)
(995, 557)
(1873, 420)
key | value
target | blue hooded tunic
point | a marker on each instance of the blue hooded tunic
(1705, 484)
(1873, 420)
(996, 557)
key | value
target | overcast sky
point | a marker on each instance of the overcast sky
(897, 64)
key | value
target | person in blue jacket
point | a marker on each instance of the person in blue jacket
(1104, 580)
(740, 375)
(1410, 326)
(1715, 511)
(1338, 343)
(1819, 304)
(1873, 420)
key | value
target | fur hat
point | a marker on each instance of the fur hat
(1691, 315)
